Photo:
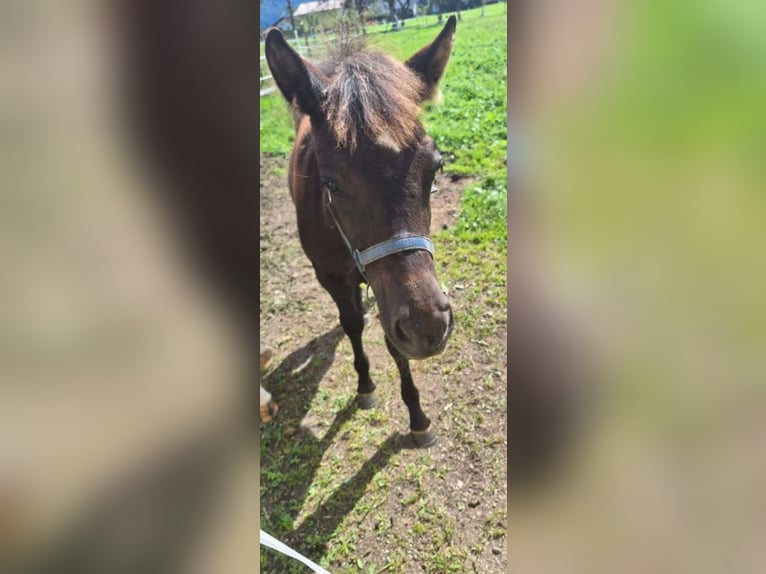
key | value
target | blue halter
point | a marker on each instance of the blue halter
(397, 243)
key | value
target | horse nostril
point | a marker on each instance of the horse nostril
(400, 334)
(447, 325)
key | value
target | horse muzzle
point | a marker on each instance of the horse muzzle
(420, 334)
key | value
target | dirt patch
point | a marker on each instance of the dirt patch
(340, 484)
(445, 201)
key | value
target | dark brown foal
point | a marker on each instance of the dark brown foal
(361, 174)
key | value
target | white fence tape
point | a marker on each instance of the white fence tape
(271, 542)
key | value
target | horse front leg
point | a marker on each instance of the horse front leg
(420, 425)
(348, 298)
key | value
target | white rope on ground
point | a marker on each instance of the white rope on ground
(269, 541)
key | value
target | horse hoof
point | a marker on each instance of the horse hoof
(269, 411)
(424, 438)
(366, 400)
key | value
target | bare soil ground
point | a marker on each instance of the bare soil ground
(341, 485)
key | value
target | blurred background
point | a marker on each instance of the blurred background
(120, 379)
(636, 158)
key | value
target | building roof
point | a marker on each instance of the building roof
(318, 6)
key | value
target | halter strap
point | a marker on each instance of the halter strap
(396, 244)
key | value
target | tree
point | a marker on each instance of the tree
(290, 11)
(311, 22)
(392, 9)
(360, 7)
(404, 8)
(448, 6)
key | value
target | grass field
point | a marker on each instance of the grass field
(469, 127)
(336, 482)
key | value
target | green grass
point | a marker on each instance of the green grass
(469, 126)
(318, 469)
(277, 131)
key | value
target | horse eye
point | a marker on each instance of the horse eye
(330, 185)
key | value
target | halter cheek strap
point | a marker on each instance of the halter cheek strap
(396, 244)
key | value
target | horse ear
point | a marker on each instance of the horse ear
(299, 82)
(429, 63)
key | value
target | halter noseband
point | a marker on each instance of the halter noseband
(397, 243)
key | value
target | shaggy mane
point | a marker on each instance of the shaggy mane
(373, 95)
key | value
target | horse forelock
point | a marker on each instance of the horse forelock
(372, 95)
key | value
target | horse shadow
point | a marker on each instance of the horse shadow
(301, 453)
(300, 373)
